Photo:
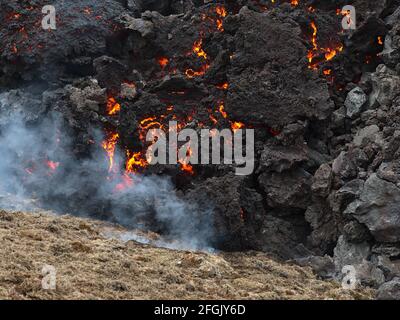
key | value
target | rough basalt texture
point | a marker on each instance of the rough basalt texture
(327, 180)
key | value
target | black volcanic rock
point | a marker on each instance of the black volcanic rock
(326, 178)
(268, 84)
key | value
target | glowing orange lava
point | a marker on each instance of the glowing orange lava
(163, 62)
(221, 109)
(187, 168)
(237, 125)
(328, 53)
(113, 107)
(222, 13)
(223, 86)
(109, 146)
(135, 162)
(190, 73)
(198, 50)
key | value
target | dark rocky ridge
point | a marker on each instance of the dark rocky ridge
(326, 188)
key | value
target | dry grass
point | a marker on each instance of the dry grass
(89, 266)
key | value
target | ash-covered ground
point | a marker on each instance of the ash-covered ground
(76, 101)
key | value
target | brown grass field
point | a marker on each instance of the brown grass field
(91, 266)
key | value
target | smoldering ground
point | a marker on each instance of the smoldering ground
(39, 163)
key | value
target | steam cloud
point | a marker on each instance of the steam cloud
(38, 162)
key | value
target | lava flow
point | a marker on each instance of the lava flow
(135, 162)
(199, 52)
(163, 62)
(113, 107)
(109, 146)
(318, 55)
(221, 12)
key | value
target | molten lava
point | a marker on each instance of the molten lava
(328, 53)
(198, 50)
(314, 36)
(222, 13)
(221, 109)
(135, 162)
(109, 146)
(237, 125)
(223, 86)
(187, 168)
(163, 62)
(113, 107)
(184, 163)
(190, 73)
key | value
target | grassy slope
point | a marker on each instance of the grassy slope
(89, 266)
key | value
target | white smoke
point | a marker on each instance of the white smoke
(38, 169)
